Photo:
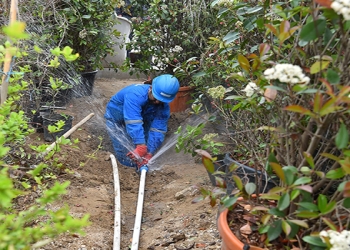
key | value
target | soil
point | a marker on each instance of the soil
(169, 220)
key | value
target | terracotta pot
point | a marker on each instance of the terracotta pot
(229, 240)
(181, 101)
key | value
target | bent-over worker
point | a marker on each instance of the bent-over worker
(141, 111)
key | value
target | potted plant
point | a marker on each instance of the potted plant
(285, 105)
(170, 33)
(89, 33)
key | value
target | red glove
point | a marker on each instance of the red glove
(140, 150)
(146, 159)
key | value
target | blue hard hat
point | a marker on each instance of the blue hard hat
(165, 87)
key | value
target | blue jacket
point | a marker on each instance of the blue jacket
(145, 122)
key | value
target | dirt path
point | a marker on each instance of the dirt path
(170, 220)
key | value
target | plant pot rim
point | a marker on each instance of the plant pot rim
(226, 233)
(89, 71)
(185, 88)
(57, 116)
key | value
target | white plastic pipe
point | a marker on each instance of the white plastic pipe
(117, 218)
(138, 218)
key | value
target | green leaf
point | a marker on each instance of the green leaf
(279, 171)
(333, 77)
(309, 206)
(299, 223)
(346, 203)
(286, 227)
(294, 194)
(276, 212)
(342, 137)
(307, 214)
(243, 62)
(330, 223)
(247, 10)
(275, 230)
(271, 158)
(330, 156)
(230, 201)
(335, 174)
(318, 66)
(309, 159)
(250, 188)
(289, 173)
(16, 30)
(322, 202)
(298, 109)
(314, 240)
(208, 164)
(270, 196)
(283, 202)
(313, 30)
(329, 208)
(302, 181)
(238, 182)
(231, 37)
(276, 190)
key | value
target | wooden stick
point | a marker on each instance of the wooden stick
(68, 133)
(8, 57)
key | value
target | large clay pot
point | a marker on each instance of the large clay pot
(124, 26)
(229, 240)
(181, 101)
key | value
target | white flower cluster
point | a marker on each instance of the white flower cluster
(82, 34)
(252, 88)
(217, 92)
(339, 241)
(209, 136)
(176, 49)
(225, 3)
(287, 73)
(239, 24)
(342, 7)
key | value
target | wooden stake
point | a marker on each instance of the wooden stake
(8, 57)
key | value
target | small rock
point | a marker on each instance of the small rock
(183, 193)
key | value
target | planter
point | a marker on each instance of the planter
(229, 240)
(219, 165)
(86, 85)
(123, 26)
(247, 174)
(38, 119)
(181, 101)
(52, 119)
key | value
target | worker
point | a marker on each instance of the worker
(141, 112)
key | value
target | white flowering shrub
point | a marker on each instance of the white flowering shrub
(171, 33)
(288, 113)
(342, 7)
(336, 240)
(286, 73)
(251, 89)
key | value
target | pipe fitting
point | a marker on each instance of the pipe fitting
(144, 167)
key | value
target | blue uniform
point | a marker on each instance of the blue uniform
(145, 123)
